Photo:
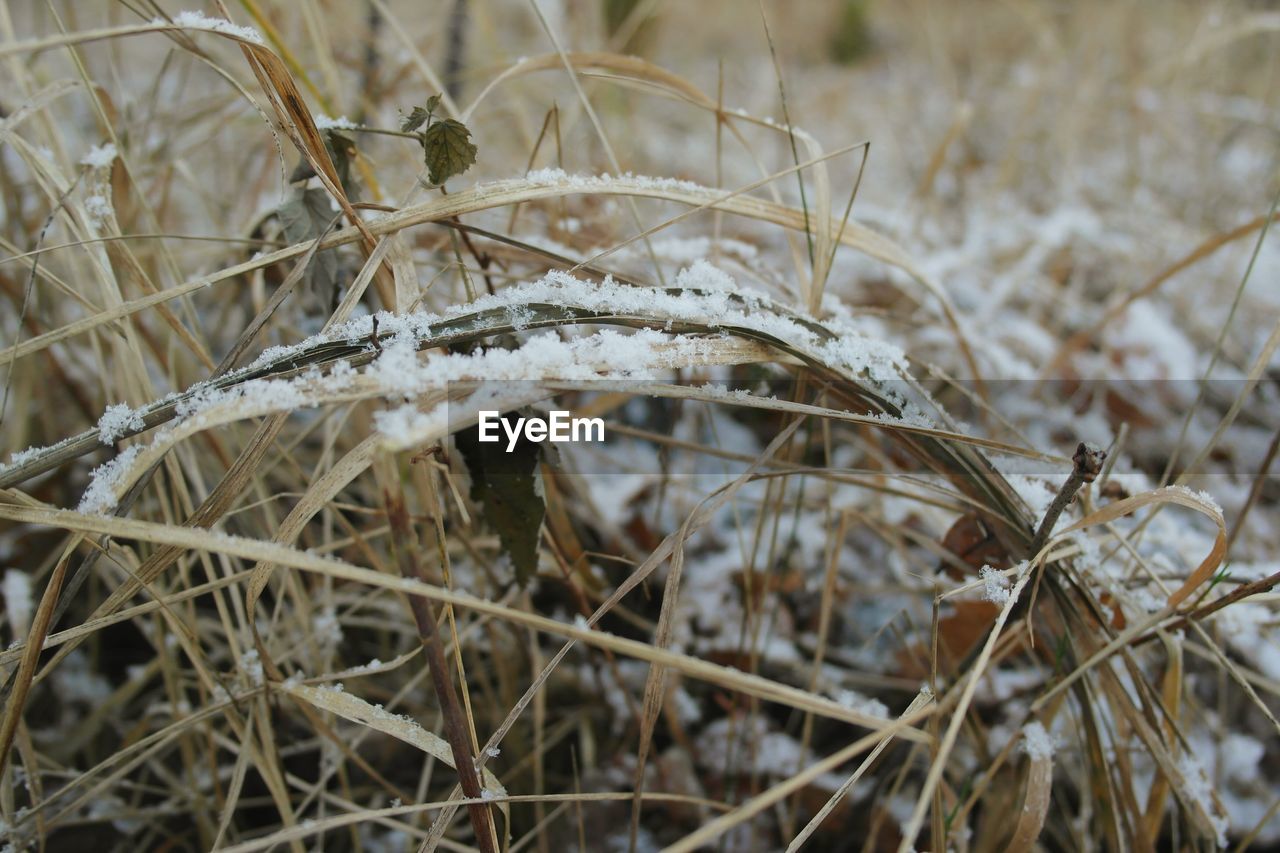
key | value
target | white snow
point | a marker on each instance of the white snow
(326, 627)
(855, 701)
(324, 122)
(201, 21)
(75, 681)
(1199, 787)
(1036, 742)
(100, 496)
(995, 586)
(100, 156)
(17, 600)
(251, 666)
(588, 183)
(118, 420)
(99, 207)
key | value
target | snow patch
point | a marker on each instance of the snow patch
(201, 21)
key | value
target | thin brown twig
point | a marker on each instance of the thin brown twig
(1087, 463)
(455, 727)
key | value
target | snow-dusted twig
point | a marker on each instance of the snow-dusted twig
(1087, 463)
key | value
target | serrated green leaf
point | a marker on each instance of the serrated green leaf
(505, 486)
(449, 150)
(433, 103)
(414, 120)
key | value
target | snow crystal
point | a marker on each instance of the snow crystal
(100, 497)
(251, 665)
(324, 122)
(1199, 788)
(1199, 495)
(98, 206)
(775, 752)
(995, 586)
(76, 682)
(17, 598)
(117, 421)
(200, 21)
(1036, 742)
(702, 275)
(855, 701)
(493, 752)
(687, 250)
(1149, 344)
(586, 183)
(1000, 684)
(1038, 494)
(486, 794)
(100, 156)
(22, 457)
(328, 631)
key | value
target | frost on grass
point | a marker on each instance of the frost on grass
(201, 21)
(1199, 789)
(22, 457)
(1036, 742)
(324, 122)
(100, 156)
(855, 701)
(98, 206)
(251, 666)
(100, 497)
(995, 586)
(118, 421)
(590, 183)
(1202, 496)
(708, 299)
(326, 628)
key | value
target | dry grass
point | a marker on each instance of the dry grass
(795, 601)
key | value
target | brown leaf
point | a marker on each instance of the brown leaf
(974, 544)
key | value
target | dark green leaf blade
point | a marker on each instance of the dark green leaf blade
(505, 486)
(449, 150)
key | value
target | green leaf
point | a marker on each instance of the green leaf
(433, 104)
(414, 120)
(505, 485)
(449, 150)
(303, 217)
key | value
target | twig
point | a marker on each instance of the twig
(1088, 462)
(1240, 593)
(455, 726)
